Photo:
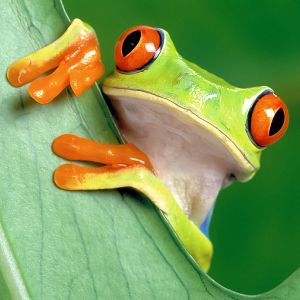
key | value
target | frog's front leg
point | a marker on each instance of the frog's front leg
(73, 147)
(76, 57)
(127, 166)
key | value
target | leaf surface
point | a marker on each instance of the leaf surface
(78, 245)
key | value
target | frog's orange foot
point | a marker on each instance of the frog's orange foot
(76, 57)
(115, 157)
(74, 177)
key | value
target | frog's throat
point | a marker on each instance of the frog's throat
(193, 157)
(246, 168)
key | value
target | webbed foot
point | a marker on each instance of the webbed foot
(115, 157)
(76, 57)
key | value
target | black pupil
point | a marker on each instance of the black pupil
(130, 42)
(277, 122)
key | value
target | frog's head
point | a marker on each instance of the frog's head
(200, 132)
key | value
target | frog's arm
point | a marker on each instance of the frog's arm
(76, 57)
(137, 176)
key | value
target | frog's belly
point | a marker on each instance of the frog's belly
(191, 162)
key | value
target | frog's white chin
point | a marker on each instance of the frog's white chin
(192, 162)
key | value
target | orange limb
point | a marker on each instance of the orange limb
(82, 79)
(71, 177)
(45, 89)
(72, 147)
(76, 55)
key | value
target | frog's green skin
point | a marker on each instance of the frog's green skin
(178, 98)
(191, 124)
(141, 179)
(212, 102)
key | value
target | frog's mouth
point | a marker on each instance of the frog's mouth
(193, 158)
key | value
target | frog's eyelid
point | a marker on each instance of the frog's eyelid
(248, 121)
(263, 93)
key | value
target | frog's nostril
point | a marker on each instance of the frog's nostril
(130, 42)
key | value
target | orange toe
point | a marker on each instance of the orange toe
(73, 147)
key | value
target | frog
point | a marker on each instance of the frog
(188, 133)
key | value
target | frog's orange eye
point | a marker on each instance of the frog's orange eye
(137, 47)
(269, 120)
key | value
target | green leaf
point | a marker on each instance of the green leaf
(78, 245)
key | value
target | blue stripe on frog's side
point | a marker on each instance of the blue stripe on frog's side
(204, 227)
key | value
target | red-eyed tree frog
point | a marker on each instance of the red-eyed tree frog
(189, 133)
